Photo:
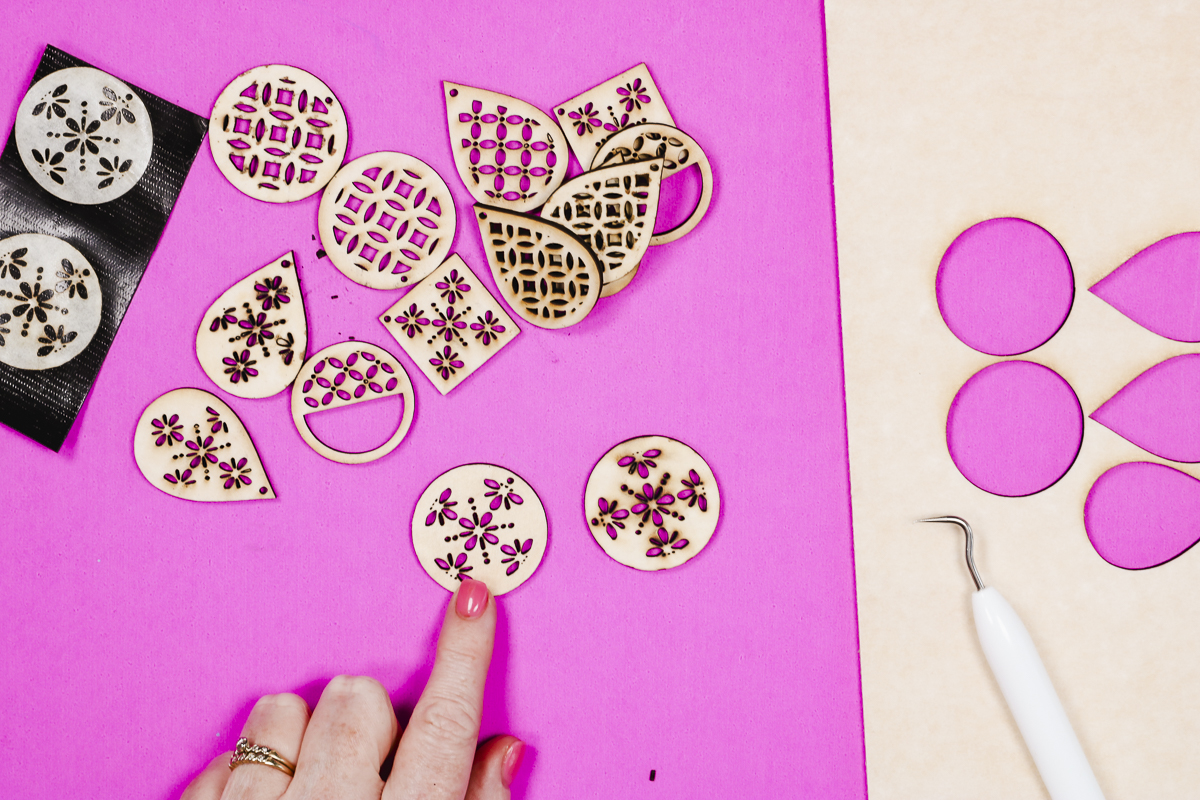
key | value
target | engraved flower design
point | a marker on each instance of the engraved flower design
(443, 509)
(117, 108)
(214, 419)
(488, 327)
(446, 363)
(651, 503)
(223, 320)
(54, 339)
(56, 104)
(272, 293)
(451, 563)
(239, 366)
(286, 343)
(110, 170)
(610, 517)
(166, 430)
(4, 320)
(662, 542)
(694, 493)
(454, 287)
(450, 322)
(71, 280)
(50, 164)
(411, 321)
(639, 465)
(515, 551)
(183, 478)
(633, 95)
(82, 136)
(32, 302)
(14, 263)
(235, 473)
(478, 526)
(256, 328)
(586, 119)
(202, 449)
(502, 494)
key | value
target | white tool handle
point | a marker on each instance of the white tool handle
(1032, 699)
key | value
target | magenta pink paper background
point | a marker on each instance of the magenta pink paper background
(136, 630)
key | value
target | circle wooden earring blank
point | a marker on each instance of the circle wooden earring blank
(652, 503)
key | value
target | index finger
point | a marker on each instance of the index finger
(438, 748)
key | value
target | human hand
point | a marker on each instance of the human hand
(338, 751)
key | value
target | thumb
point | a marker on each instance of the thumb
(497, 762)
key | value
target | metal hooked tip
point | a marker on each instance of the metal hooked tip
(962, 523)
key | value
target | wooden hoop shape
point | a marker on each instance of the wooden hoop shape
(492, 516)
(253, 339)
(652, 503)
(387, 220)
(655, 140)
(543, 271)
(277, 133)
(83, 135)
(613, 210)
(51, 301)
(508, 153)
(360, 372)
(191, 445)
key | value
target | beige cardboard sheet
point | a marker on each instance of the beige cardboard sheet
(1083, 117)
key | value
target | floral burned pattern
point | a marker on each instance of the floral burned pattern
(191, 445)
(250, 337)
(449, 324)
(497, 532)
(630, 98)
(50, 300)
(85, 136)
(661, 520)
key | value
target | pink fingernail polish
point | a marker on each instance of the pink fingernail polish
(472, 599)
(512, 762)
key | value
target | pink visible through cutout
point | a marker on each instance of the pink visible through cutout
(1159, 288)
(1005, 286)
(1141, 515)
(1159, 410)
(1014, 428)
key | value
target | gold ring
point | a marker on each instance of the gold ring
(246, 753)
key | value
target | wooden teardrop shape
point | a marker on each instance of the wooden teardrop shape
(508, 153)
(191, 445)
(253, 339)
(544, 272)
(613, 210)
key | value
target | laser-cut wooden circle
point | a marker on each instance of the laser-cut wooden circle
(387, 220)
(613, 210)
(345, 374)
(652, 503)
(189, 444)
(654, 140)
(483, 522)
(508, 153)
(277, 133)
(544, 272)
(253, 339)
(50, 302)
(84, 135)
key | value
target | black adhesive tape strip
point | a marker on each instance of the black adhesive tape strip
(117, 238)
